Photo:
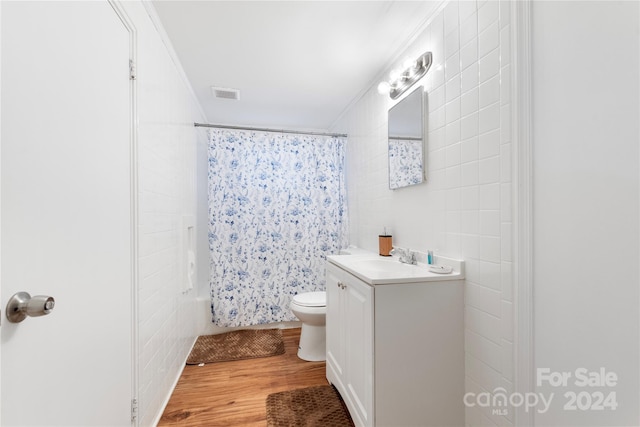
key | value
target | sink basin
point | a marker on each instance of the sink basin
(377, 270)
(385, 266)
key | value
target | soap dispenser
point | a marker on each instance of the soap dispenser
(385, 243)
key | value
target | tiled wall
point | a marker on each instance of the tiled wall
(167, 191)
(464, 208)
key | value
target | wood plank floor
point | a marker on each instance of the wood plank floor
(234, 393)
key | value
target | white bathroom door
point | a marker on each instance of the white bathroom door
(66, 202)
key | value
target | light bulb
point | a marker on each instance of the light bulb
(395, 74)
(384, 88)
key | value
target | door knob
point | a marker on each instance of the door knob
(22, 304)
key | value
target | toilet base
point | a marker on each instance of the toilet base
(312, 345)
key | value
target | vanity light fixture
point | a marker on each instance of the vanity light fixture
(403, 80)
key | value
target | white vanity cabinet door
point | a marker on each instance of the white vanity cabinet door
(335, 330)
(359, 359)
(350, 342)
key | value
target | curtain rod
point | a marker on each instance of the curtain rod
(405, 138)
(207, 125)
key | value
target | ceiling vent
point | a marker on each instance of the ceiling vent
(225, 92)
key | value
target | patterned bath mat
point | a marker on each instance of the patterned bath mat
(318, 406)
(237, 345)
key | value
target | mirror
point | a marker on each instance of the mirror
(406, 138)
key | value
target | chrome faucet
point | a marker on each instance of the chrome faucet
(407, 256)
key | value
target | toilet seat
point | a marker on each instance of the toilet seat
(311, 299)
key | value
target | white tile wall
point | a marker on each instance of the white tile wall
(464, 208)
(167, 191)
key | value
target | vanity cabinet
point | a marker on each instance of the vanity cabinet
(395, 352)
(349, 326)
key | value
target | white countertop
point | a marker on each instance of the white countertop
(378, 270)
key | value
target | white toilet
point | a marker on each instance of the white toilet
(311, 309)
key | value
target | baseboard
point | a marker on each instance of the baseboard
(158, 416)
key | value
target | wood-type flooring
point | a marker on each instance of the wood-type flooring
(233, 394)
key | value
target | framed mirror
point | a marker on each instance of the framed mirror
(406, 141)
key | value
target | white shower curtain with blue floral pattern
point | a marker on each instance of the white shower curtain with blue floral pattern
(277, 208)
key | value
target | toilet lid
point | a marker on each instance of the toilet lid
(311, 299)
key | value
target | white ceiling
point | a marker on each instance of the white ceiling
(297, 64)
